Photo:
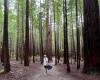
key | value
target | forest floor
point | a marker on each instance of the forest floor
(37, 72)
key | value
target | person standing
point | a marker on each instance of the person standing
(45, 62)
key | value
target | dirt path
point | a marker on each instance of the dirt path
(37, 72)
(53, 74)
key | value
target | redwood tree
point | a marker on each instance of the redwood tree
(33, 42)
(26, 55)
(48, 31)
(55, 40)
(78, 37)
(91, 36)
(17, 50)
(5, 39)
(66, 55)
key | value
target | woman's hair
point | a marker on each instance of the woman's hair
(45, 55)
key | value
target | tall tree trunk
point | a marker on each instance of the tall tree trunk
(73, 39)
(82, 25)
(10, 46)
(64, 29)
(78, 38)
(48, 33)
(5, 39)
(22, 33)
(66, 55)
(91, 36)
(26, 55)
(57, 40)
(58, 55)
(40, 31)
(33, 43)
(55, 35)
(33, 47)
(17, 50)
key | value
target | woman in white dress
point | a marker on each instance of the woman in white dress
(45, 62)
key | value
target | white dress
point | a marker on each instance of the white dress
(45, 61)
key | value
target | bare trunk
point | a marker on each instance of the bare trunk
(66, 55)
(78, 38)
(26, 55)
(91, 37)
(48, 33)
(5, 39)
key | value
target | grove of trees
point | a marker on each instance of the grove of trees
(65, 29)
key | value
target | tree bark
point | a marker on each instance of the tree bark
(26, 55)
(5, 39)
(48, 33)
(55, 40)
(91, 36)
(78, 38)
(33, 42)
(17, 50)
(66, 55)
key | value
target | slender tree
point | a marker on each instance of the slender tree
(40, 31)
(26, 55)
(58, 24)
(66, 55)
(33, 43)
(40, 34)
(55, 35)
(64, 28)
(72, 37)
(17, 50)
(78, 37)
(23, 31)
(48, 31)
